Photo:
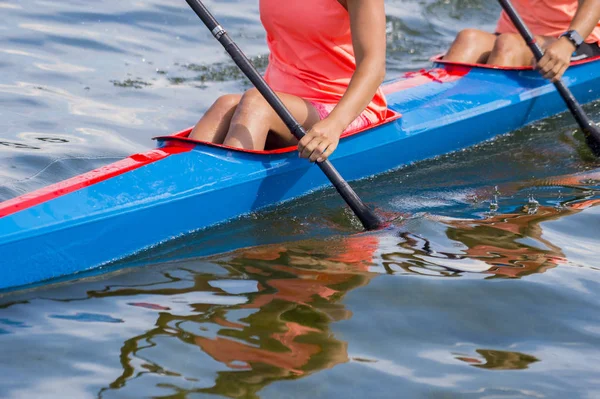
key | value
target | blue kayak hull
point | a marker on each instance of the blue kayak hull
(198, 186)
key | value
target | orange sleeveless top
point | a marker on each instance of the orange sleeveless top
(545, 18)
(312, 56)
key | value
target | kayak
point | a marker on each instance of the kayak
(184, 186)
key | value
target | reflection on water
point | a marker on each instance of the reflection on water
(240, 324)
(281, 330)
(499, 360)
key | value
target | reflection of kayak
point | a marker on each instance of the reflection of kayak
(114, 211)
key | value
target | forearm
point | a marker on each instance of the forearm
(586, 18)
(362, 88)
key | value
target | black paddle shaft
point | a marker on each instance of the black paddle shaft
(591, 131)
(366, 215)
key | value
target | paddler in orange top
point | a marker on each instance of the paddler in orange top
(567, 30)
(326, 63)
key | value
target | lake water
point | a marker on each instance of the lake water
(486, 288)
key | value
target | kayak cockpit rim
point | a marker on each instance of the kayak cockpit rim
(438, 59)
(181, 138)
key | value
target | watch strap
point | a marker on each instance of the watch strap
(573, 37)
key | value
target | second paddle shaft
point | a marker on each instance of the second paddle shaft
(368, 218)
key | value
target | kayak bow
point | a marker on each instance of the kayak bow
(183, 186)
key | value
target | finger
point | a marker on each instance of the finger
(310, 147)
(304, 142)
(563, 70)
(327, 152)
(554, 71)
(318, 152)
(547, 70)
(560, 73)
(543, 61)
(547, 66)
(548, 73)
(557, 68)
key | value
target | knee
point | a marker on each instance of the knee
(508, 44)
(468, 46)
(253, 97)
(227, 102)
(468, 36)
(253, 102)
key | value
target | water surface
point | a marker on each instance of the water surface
(486, 288)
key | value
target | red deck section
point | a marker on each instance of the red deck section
(439, 75)
(87, 179)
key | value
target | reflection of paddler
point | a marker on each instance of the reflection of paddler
(284, 331)
(497, 240)
(289, 332)
(585, 204)
(576, 181)
(237, 355)
(312, 274)
(579, 181)
(353, 252)
(499, 360)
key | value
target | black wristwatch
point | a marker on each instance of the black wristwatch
(573, 37)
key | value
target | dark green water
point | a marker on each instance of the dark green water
(488, 288)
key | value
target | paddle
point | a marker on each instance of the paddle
(366, 215)
(591, 131)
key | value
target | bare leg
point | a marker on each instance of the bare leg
(254, 120)
(471, 46)
(213, 126)
(510, 50)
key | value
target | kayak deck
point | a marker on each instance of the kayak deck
(183, 186)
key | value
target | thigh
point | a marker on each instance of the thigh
(302, 110)
(256, 117)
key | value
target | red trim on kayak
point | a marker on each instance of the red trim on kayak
(87, 179)
(181, 137)
(438, 59)
(448, 74)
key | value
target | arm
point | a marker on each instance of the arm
(557, 56)
(367, 24)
